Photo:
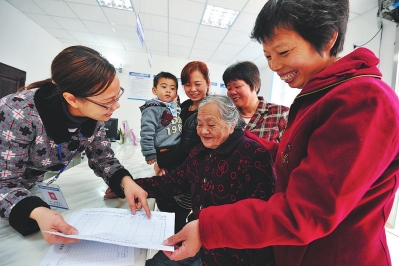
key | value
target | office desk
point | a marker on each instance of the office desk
(81, 189)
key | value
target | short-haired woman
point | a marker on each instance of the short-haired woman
(265, 120)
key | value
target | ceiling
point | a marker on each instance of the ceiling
(171, 27)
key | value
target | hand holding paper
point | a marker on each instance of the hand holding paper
(118, 226)
(49, 221)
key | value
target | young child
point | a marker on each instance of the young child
(161, 125)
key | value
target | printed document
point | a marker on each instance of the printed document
(88, 253)
(121, 227)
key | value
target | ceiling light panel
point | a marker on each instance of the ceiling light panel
(219, 17)
(117, 4)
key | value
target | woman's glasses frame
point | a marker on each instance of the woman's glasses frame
(109, 106)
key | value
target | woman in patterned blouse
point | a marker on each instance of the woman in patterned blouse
(47, 124)
(265, 120)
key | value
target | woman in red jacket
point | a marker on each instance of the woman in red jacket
(337, 163)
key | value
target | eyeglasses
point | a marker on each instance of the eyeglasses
(112, 103)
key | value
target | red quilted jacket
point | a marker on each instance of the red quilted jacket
(337, 173)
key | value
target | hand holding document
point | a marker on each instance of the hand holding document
(121, 227)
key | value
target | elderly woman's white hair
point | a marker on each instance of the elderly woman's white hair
(228, 111)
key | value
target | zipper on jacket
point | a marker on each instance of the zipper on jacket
(336, 83)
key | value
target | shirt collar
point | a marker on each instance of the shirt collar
(229, 144)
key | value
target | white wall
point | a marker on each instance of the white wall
(267, 81)
(389, 57)
(25, 45)
(362, 29)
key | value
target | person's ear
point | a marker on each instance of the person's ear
(71, 99)
(208, 82)
(154, 90)
(231, 129)
(331, 43)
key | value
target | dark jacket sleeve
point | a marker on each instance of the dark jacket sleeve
(171, 184)
(19, 216)
(189, 139)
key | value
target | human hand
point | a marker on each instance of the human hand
(152, 161)
(49, 220)
(109, 194)
(159, 171)
(191, 242)
(135, 196)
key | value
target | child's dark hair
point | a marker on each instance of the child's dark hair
(165, 75)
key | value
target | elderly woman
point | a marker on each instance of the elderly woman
(225, 168)
(337, 162)
(265, 120)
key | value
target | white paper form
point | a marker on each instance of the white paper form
(121, 227)
(88, 253)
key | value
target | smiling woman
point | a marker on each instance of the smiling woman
(212, 128)
(58, 118)
(100, 108)
(108, 103)
(266, 120)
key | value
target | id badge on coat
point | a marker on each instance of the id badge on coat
(52, 195)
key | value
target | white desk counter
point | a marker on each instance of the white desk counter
(81, 189)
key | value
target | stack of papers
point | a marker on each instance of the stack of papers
(88, 253)
(111, 234)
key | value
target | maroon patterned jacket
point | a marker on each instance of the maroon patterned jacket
(239, 168)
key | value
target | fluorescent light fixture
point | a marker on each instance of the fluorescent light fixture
(118, 4)
(219, 17)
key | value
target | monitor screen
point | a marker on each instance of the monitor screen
(111, 129)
